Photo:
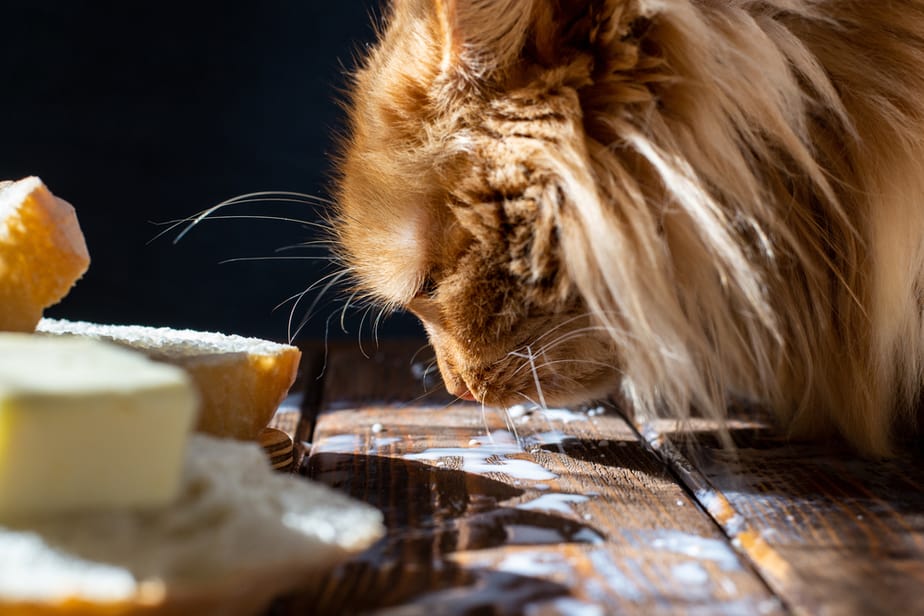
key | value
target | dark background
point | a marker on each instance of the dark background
(144, 112)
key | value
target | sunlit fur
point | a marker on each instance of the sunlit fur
(676, 201)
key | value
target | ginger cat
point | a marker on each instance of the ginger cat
(673, 201)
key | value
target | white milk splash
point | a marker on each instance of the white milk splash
(491, 454)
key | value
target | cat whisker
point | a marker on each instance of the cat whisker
(572, 319)
(300, 221)
(343, 312)
(359, 331)
(417, 352)
(511, 425)
(571, 335)
(427, 392)
(331, 279)
(256, 197)
(269, 195)
(275, 258)
(310, 287)
(373, 322)
(518, 355)
(426, 373)
(430, 365)
(326, 351)
(326, 244)
(562, 324)
(574, 361)
(298, 298)
(548, 423)
(616, 335)
(484, 421)
(532, 363)
(543, 350)
(528, 399)
(375, 325)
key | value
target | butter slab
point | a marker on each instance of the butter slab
(88, 425)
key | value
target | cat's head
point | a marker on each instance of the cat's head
(466, 148)
(547, 185)
(580, 197)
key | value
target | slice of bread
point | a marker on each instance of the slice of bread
(239, 535)
(42, 252)
(241, 380)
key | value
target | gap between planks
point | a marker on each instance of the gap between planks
(830, 532)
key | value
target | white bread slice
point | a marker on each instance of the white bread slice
(42, 252)
(239, 535)
(241, 380)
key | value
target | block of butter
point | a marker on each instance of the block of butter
(88, 425)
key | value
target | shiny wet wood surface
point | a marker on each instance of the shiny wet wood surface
(531, 511)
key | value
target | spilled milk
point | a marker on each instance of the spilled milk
(491, 454)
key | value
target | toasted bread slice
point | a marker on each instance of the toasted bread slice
(241, 380)
(239, 535)
(42, 252)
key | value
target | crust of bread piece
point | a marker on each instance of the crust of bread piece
(241, 380)
(42, 252)
(239, 536)
(243, 594)
(252, 383)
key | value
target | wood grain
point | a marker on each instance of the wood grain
(575, 511)
(297, 414)
(830, 532)
(278, 448)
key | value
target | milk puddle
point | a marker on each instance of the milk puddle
(490, 454)
(352, 443)
(557, 502)
(522, 413)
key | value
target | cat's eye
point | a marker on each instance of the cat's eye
(427, 287)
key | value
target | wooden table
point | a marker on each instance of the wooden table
(581, 512)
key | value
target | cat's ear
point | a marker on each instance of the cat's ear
(482, 36)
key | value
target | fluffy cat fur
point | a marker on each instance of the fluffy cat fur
(677, 201)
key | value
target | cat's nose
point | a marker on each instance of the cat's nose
(462, 392)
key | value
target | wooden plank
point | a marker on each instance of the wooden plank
(830, 532)
(573, 513)
(297, 414)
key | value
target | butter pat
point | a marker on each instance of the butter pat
(88, 425)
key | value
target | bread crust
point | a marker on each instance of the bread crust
(241, 380)
(42, 252)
